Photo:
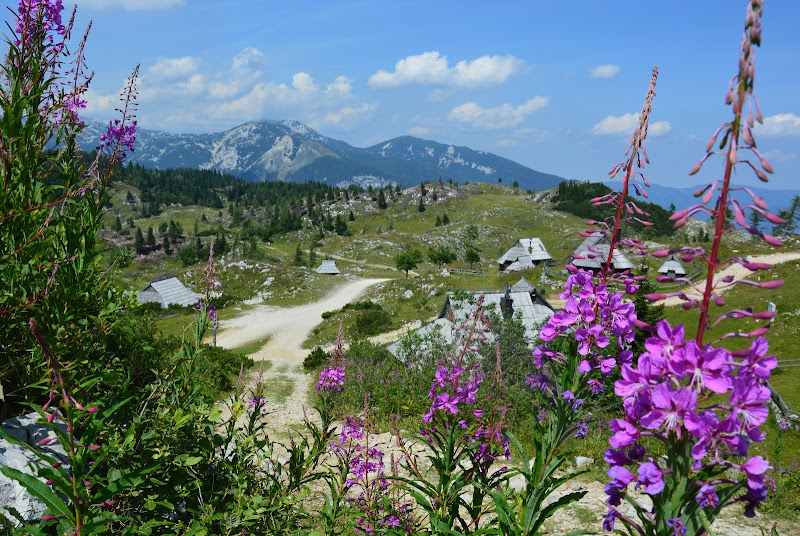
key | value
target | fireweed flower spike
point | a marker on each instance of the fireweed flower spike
(620, 200)
(668, 394)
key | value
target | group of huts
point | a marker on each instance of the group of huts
(591, 254)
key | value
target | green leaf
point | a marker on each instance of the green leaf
(193, 460)
(41, 491)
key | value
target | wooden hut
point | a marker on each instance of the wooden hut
(523, 255)
(672, 267)
(168, 292)
(592, 254)
(328, 267)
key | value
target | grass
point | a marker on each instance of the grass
(253, 347)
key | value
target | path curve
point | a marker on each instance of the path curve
(736, 270)
(290, 326)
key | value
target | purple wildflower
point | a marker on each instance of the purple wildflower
(651, 477)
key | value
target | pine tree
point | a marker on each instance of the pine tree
(165, 244)
(298, 256)
(381, 200)
(117, 225)
(138, 241)
(422, 190)
(151, 238)
(421, 206)
(352, 216)
(438, 221)
(445, 219)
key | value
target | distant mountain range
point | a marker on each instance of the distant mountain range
(291, 151)
(684, 197)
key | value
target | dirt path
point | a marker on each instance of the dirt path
(285, 383)
(737, 271)
(288, 327)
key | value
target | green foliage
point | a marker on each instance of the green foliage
(576, 198)
(471, 256)
(369, 323)
(315, 358)
(408, 260)
(441, 255)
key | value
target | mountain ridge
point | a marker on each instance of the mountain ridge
(290, 150)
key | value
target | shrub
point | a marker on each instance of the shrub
(315, 358)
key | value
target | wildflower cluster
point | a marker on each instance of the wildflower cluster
(36, 17)
(592, 316)
(332, 377)
(672, 396)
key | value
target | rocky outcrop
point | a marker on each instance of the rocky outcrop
(13, 495)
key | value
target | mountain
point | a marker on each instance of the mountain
(289, 150)
(684, 197)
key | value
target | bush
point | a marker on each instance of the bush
(371, 323)
(314, 359)
(219, 367)
(364, 305)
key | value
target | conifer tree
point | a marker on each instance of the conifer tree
(352, 216)
(151, 238)
(138, 241)
(445, 219)
(165, 244)
(421, 206)
(381, 200)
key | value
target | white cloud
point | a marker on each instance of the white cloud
(607, 71)
(780, 125)
(341, 86)
(626, 123)
(507, 142)
(98, 105)
(171, 68)
(500, 117)
(419, 131)
(348, 116)
(129, 5)
(777, 154)
(431, 68)
(249, 59)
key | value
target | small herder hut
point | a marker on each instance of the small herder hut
(523, 255)
(328, 267)
(672, 267)
(534, 310)
(168, 292)
(592, 254)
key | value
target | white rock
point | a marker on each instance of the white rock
(582, 462)
(407, 295)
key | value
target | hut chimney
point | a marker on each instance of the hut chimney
(506, 303)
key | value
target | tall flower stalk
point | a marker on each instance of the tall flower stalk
(703, 404)
(620, 200)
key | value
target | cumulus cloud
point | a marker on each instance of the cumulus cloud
(249, 59)
(626, 123)
(607, 71)
(419, 131)
(171, 68)
(341, 86)
(348, 117)
(431, 68)
(129, 5)
(780, 125)
(503, 116)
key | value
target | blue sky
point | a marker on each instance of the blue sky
(555, 86)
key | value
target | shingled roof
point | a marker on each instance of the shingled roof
(168, 292)
(328, 267)
(524, 254)
(592, 253)
(672, 267)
